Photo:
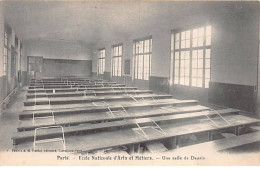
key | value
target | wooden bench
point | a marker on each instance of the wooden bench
(126, 123)
(83, 108)
(69, 83)
(80, 93)
(128, 136)
(73, 86)
(64, 78)
(89, 99)
(76, 119)
(221, 144)
(117, 87)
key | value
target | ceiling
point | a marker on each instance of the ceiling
(80, 20)
(86, 21)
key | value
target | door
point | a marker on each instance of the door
(34, 67)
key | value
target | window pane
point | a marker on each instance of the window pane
(5, 51)
(182, 35)
(207, 73)
(136, 47)
(194, 63)
(187, 56)
(177, 72)
(183, 44)
(200, 63)
(200, 53)
(187, 64)
(176, 55)
(187, 43)
(116, 51)
(172, 41)
(146, 43)
(194, 72)
(194, 54)
(120, 50)
(141, 46)
(177, 37)
(207, 83)
(201, 32)
(177, 63)
(195, 42)
(5, 39)
(181, 72)
(207, 64)
(200, 73)
(146, 61)
(182, 64)
(195, 33)
(207, 53)
(116, 65)
(208, 40)
(5, 59)
(151, 45)
(146, 49)
(188, 34)
(177, 44)
(200, 41)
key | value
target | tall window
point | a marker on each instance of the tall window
(117, 60)
(142, 58)
(101, 61)
(5, 53)
(190, 51)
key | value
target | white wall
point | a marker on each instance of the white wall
(56, 50)
(234, 41)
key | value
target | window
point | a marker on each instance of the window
(5, 61)
(5, 54)
(190, 55)
(35, 64)
(101, 61)
(117, 53)
(142, 50)
(6, 40)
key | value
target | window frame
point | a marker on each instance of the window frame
(101, 61)
(117, 56)
(207, 45)
(5, 61)
(142, 69)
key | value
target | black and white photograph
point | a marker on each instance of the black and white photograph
(129, 82)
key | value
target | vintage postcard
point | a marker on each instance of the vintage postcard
(129, 82)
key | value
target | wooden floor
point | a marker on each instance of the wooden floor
(70, 115)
